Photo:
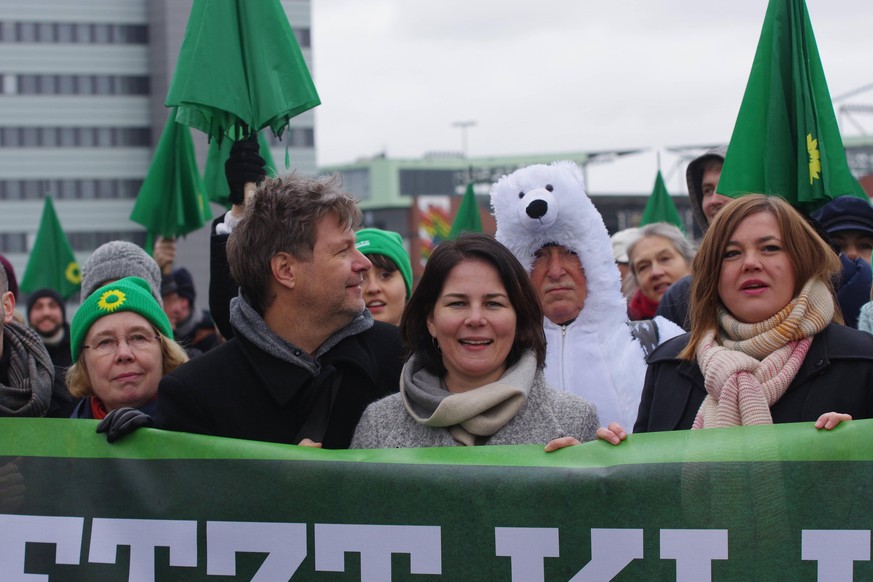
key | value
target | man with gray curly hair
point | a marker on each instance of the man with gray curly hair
(306, 357)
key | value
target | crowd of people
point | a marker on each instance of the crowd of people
(548, 332)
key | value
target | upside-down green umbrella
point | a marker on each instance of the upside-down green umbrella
(52, 263)
(467, 218)
(171, 201)
(786, 141)
(660, 206)
(214, 177)
(240, 70)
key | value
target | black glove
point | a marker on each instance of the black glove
(244, 165)
(123, 421)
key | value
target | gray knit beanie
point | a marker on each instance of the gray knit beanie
(118, 259)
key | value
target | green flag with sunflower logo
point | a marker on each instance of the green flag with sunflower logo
(786, 141)
(52, 263)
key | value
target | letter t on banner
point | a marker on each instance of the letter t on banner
(527, 547)
(376, 543)
(694, 550)
(835, 551)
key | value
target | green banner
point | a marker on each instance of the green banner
(781, 502)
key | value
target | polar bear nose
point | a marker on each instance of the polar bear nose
(537, 209)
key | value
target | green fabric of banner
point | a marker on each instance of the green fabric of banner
(751, 503)
(52, 263)
(786, 141)
(660, 206)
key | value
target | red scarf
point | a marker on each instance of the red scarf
(641, 307)
(97, 409)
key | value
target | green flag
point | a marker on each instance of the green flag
(214, 179)
(240, 69)
(52, 263)
(171, 202)
(660, 206)
(786, 140)
(467, 219)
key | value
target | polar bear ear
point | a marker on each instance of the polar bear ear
(570, 170)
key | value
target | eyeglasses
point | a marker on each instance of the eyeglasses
(109, 345)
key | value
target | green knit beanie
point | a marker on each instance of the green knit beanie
(128, 294)
(372, 241)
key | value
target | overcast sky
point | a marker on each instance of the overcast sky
(555, 76)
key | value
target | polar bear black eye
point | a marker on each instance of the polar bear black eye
(521, 194)
(549, 187)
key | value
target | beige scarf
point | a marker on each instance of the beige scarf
(471, 416)
(755, 362)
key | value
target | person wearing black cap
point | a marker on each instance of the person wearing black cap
(192, 327)
(47, 316)
(849, 223)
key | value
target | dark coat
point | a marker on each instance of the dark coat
(853, 290)
(675, 302)
(222, 287)
(836, 376)
(239, 391)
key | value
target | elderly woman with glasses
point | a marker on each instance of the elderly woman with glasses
(122, 346)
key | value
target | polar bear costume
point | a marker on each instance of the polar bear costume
(598, 355)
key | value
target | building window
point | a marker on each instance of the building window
(75, 85)
(68, 32)
(303, 37)
(295, 137)
(13, 242)
(88, 241)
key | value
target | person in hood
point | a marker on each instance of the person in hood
(551, 226)
(702, 177)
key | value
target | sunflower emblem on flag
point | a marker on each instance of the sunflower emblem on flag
(73, 274)
(111, 300)
(814, 158)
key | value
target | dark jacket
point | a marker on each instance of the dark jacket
(222, 287)
(836, 376)
(239, 391)
(853, 290)
(63, 402)
(675, 302)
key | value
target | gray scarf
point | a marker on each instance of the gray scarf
(252, 326)
(31, 373)
(480, 412)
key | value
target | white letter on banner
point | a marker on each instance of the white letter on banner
(611, 551)
(694, 550)
(284, 544)
(376, 543)
(835, 551)
(143, 536)
(526, 548)
(17, 530)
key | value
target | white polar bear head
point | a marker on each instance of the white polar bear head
(547, 204)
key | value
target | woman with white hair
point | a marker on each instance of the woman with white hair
(660, 256)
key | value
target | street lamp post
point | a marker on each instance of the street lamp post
(464, 126)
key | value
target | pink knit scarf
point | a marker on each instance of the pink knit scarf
(755, 363)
